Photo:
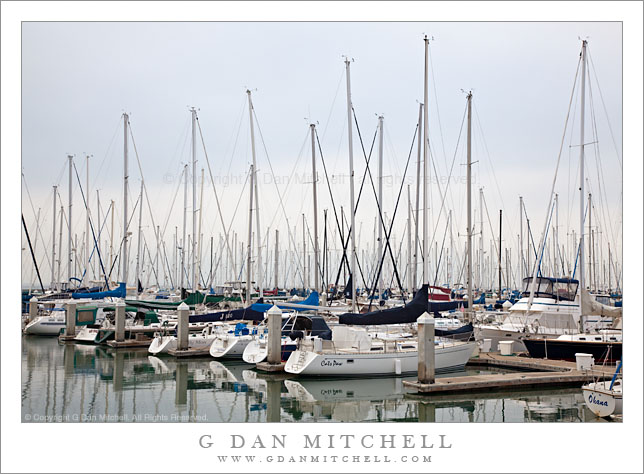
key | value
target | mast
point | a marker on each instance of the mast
(112, 237)
(98, 235)
(124, 257)
(194, 200)
(316, 248)
(380, 202)
(277, 239)
(60, 246)
(182, 269)
(500, 231)
(556, 234)
(410, 277)
(53, 244)
(481, 253)
(69, 223)
(305, 268)
(521, 271)
(469, 205)
(260, 280)
(354, 305)
(199, 233)
(416, 241)
(138, 243)
(426, 169)
(87, 252)
(591, 278)
(582, 279)
(249, 286)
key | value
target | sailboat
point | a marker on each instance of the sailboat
(605, 398)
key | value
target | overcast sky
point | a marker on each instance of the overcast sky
(78, 79)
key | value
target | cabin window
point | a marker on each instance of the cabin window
(349, 361)
(85, 316)
(582, 338)
(613, 339)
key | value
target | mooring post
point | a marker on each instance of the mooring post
(273, 400)
(119, 336)
(70, 318)
(33, 308)
(182, 328)
(274, 323)
(426, 349)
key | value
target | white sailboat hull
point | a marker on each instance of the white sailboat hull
(46, 325)
(602, 400)
(229, 347)
(345, 364)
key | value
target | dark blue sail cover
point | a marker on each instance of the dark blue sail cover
(404, 314)
(115, 293)
(242, 314)
(312, 300)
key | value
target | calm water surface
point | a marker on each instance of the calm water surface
(70, 383)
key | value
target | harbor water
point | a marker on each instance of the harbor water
(88, 383)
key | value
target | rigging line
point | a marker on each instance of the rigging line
(440, 127)
(91, 226)
(38, 228)
(487, 151)
(279, 195)
(440, 256)
(398, 254)
(214, 189)
(444, 196)
(147, 198)
(554, 179)
(328, 119)
(601, 96)
(290, 178)
(117, 257)
(232, 154)
(393, 219)
(232, 219)
(494, 239)
(176, 193)
(32, 252)
(345, 259)
(107, 151)
(603, 197)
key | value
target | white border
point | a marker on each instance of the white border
(477, 447)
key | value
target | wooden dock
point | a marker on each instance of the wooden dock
(535, 373)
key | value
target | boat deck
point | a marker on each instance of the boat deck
(538, 373)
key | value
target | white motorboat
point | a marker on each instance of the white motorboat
(353, 352)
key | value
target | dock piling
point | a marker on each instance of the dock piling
(274, 323)
(119, 335)
(426, 349)
(33, 308)
(70, 318)
(182, 328)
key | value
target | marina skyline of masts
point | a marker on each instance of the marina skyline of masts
(556, 258)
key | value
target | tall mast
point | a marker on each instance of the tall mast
(410, 277)
(305, 272)
(69, 222)
(53, 243)
(124, 257)
(316, 248)
(260, 280)
(112, 236)
(277, 239)
(87, 252)
(556, 235)
(521, 271)
(199, 233)
(138, 243)
(582, 279)
(60, 246)
(249, 286)
(469, 204)
(481, 253)
(195, 236)
(416, 220)
(380, 203)
(98, 234)
(354, 305)
(500, 231)
(591, 278)
(426, 169)
(182, 270)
